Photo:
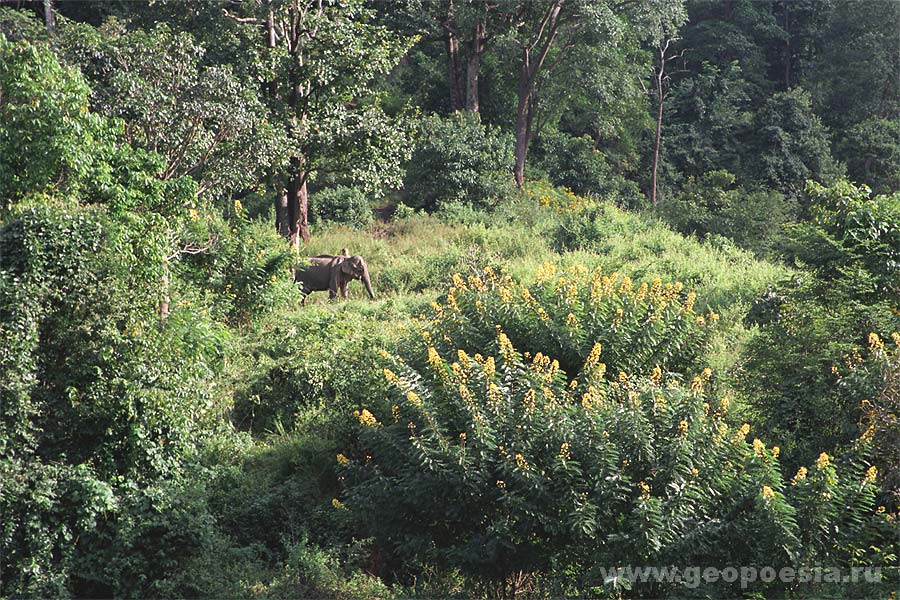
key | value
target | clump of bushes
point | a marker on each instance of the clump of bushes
(523, 474)
(340, 205)
(458, 160)
(711, 205)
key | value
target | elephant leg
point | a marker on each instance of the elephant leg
(344, 289)
(306, 293)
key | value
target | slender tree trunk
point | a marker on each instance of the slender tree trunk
(523, 120)
(164, 298)
(281, 214)
(49, 17)
(473, 66)
(457, 101)
(541, 43)
(659, 116)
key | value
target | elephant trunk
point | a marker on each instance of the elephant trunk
(368, 283)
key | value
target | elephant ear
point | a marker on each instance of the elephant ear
(347, 267)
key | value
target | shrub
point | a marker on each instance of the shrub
(459, 160)
(573, 163)
(711, 205)
(340, 205)
(495, 464)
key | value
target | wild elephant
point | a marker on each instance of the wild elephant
(332, 273)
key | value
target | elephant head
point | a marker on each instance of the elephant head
(356, 268)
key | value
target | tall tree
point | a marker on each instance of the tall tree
(545, 34)
(326, 55)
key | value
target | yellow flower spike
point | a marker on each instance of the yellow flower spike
(338, 504)
(689, 302)
(759, 448)
(573, 384)
(706, 374)
(742, 433)
(395, 413)
(464, 359)
(521, 462)
(875, 342)
(871, 474)
(564, 451)
(501, 484)
(823, 461)
(700, 322)
(641, 293)
(697, 385)
(390, 376)
(683, 427)
(768, 493)
(494, 395)
(434, 359)
(645, 490)
(342, 460)
(593, 357)
(571, 321)
(459, 282)
(489, 367)
(896, 337)
(800, 476)
(623, 377)
(367, 419)
(462, 438)
(238, 207)
(619, 316)
(694, 472)
(724, 403)
(776, 451)
(195, 216)
(414, 399)
(542, 314)
(529, 401)
(657, 375)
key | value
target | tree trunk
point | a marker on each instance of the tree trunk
(524, 115)
(281, 214)
(455, 70)
(659, 116)
(473, 66)
(164, 298)
(297, 206)
(49, 17)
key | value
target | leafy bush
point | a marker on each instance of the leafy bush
(341, 205)
(459, 160)
(574, 163)
(814, 326)
(753, 218)
(496, 464)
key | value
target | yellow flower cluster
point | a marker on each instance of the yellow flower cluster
(521, 462)
(875, 343)
(657, 375)
(462, 438)
(800, 476)
(506, 347)
(768, 493)
(645, 490)
(871, 474)
(490, 368)
(742, 433)
(776, 451)
(564, 451)
(395, 413)
(366, 418)
(683, 427)
(342, 460)
(571, 321)
(501, 484)
(823, 461)
(494, 395)
(338, 504)
(759, 449)
(391, 376)
(414, 399)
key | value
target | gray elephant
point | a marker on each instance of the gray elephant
(332, 273)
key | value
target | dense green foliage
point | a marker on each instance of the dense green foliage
(558, 378)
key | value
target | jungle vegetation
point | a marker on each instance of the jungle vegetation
(637, 276)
